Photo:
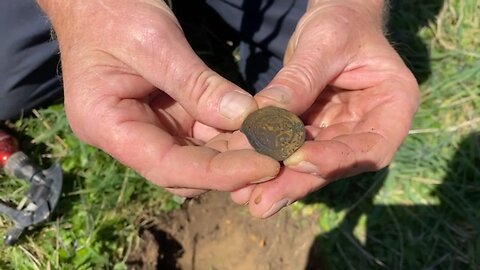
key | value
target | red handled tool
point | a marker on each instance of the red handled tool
(41, 197)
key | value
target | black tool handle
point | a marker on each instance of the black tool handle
(20, 166)
(12, 235)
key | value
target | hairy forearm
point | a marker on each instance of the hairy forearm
(372, 4)
(53, 7)
(58, 12)
(44, 3)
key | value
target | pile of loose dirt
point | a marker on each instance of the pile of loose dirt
(211, 232)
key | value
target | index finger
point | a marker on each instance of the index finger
(166, 162)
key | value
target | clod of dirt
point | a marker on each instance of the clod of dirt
(212, 233)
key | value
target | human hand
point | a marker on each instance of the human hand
(135, 88)
(353, 92)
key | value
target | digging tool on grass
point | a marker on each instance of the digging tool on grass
(43, 193)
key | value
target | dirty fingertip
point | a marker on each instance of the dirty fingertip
(276, 207)
(298, 162)
(241, 196)
(261, 208)
(297, 157)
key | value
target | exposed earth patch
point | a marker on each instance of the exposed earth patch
(211, 232)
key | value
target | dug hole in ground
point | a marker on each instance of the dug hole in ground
(211, 232)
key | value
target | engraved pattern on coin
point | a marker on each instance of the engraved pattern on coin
(274, 131)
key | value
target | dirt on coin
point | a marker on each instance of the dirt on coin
(211, 233)
(274, 132)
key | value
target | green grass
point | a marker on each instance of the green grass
(423, 211)
(96, 221)
(420, 213)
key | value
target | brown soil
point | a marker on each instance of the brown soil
(213, 233)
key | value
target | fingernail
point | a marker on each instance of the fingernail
(277, 94)
(305, 167)
(261, 180)
(276, 207)
(234, 104)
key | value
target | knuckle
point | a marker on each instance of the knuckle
(301, 76)
(325, 29)
(152, 26)
(200, 86)
(146, 35)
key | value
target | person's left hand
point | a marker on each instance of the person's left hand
(352, 90)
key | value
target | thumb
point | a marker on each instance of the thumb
(311, 61)
(174, 68)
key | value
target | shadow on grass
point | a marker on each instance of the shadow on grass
(406, 18)
(443, 236)
(396, 236)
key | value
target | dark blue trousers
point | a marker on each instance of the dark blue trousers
(30, 63)
(28, 59)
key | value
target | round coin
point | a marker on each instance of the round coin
(274, 132)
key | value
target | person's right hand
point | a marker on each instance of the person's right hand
(135, 88)
(354, 93)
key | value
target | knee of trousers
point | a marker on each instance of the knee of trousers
(29, 81)
(21, 100)
(29, 59)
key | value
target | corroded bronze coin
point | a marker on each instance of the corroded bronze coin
(274, 131)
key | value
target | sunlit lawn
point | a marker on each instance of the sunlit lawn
(420, 213)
